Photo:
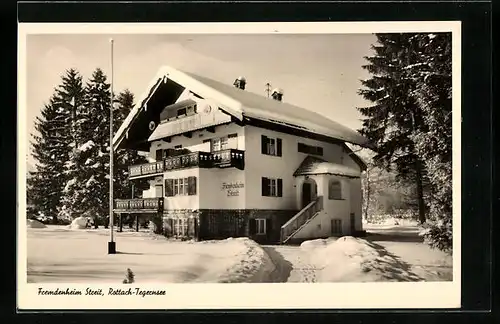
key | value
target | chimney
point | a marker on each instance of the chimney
(277, 94)
(240, 83)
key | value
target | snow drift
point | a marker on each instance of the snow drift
(250, 264)
(78, 223)
(33, 223)
(152, 258)
(351, 259)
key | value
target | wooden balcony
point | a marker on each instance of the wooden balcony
(147, 169)
(220, 159)
(195, 159)
(229, 158)
(191, 123)
(139, 205)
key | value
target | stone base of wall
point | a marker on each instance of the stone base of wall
(215, 224)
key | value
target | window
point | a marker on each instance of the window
(260, 226)
(180, 227)
(159, 155)
(215, 145)
(224, 143)
(335, 190)
(181, 112)
(181, 184)
(180, 187)
(220, 143)
(271, 146)
(178, 147)
(272, 187)
(308, 149)
(336, 226)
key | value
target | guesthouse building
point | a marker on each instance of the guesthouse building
(225, 162)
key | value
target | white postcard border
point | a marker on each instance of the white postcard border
(256, 295)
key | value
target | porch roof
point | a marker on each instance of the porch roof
(313, 165)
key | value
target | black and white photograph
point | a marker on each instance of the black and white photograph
(222, 158)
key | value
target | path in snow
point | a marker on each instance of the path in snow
(292, 264)
(405, 243)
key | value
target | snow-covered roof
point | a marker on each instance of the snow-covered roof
(313, 165)
(241, 103)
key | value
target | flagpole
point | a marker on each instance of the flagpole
(111, 243)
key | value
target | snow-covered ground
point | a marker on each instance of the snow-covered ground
(388, 253)
(404, 242)
(60, 254)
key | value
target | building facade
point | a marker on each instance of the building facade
(226, 163)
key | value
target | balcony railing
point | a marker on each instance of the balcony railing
(229, 158)
(290, 228)
(139, 205)
(221, 159)
(195, 159)
(146, 169)
(190, 123)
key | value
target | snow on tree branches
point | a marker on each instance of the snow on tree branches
(410, 120)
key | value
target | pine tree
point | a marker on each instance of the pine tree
(70, 95)
(434, 143)
(51, 146)
(395, 115)
(94, 153)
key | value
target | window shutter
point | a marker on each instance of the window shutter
(263, 144)
(279, 188)
(191, 186)
(278, 147)
(265, 187)
(252, 226)
(169, 187)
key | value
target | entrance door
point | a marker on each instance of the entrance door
(306, 194)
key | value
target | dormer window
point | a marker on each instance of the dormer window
(181, 112)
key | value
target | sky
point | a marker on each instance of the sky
(319, 72)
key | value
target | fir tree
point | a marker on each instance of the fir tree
(71, 94)
(395, 116)
(51, 146)
(94, 153)
(434, 143)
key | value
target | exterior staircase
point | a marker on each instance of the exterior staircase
(301, 219)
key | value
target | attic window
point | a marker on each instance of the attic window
(308, 149)
(181, 112)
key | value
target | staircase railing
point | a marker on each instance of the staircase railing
(297, 221)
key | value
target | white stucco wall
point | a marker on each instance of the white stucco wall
(259, 165)
(321, 226)
(356, 202)
(222, 188)
(211, 195)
